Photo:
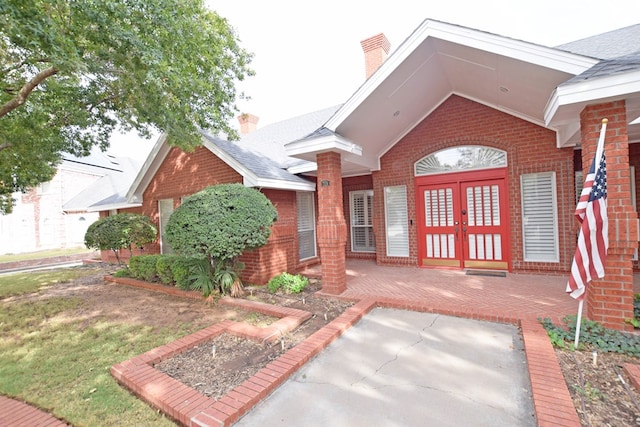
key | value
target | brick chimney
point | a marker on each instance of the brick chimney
(248, 123)
(376, 50)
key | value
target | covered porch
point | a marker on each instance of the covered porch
(510, 299)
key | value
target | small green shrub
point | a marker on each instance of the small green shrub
(122, 273)
(118, 232)
(594, 334)
(164, 269)
(143, 267)
(181, 268)
(636, 312)
(201, 277)
(289, 283)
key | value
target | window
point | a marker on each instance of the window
(456, 159)
(306, 226)
(165, 209)
(539, 217)
(396, 219)
(361, 207)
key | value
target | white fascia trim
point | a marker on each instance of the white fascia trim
(149, 168)
(529, 52)
(303, 168)
(589, 91)
(321, 145)
(278, 184)
(113, 206)
(532, 53)
(84, 170)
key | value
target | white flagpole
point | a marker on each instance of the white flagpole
(578, 324)
(599, 151)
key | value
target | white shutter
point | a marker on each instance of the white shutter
(396, 221)
(361, 207)
(165, 209)
(306, 226)
(539, 217)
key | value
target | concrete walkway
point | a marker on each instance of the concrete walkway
(404, 368)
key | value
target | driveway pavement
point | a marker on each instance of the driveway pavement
(405, 368)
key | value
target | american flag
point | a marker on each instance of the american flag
(593, 240)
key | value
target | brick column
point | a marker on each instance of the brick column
(332, 228)
(609, 301)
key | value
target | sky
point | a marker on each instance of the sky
(307, 55)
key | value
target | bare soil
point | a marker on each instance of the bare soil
(216, 367)
(602, 393)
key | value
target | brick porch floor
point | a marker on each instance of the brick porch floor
(514, 297)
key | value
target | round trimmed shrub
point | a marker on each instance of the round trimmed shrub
(221, 222)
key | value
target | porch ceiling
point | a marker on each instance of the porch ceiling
(439, 60)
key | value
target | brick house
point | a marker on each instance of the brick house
(462, 149)
(57, 213)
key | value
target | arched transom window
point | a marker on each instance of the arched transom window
(458, 159)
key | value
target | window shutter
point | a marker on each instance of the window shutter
(397, 229)
(361, 208)
(165, 209)
(306, 226)
(539, 217)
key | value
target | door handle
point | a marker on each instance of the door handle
(456, 231)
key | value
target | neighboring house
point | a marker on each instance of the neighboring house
(463, 149)
(54, 215)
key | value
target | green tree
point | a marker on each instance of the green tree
(218, 224)
(121, 231)
(73, 71)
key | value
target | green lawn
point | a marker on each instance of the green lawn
(24, 283)
(56, 355)
(44, 254)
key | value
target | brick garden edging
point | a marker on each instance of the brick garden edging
(192, 408)
(551, 398)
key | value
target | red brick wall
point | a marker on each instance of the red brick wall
(609, 300)
(530, 149)
(182, 174)
(280, 254)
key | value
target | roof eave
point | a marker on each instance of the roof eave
(568, 100)
(123, 205)
(149, 168)
(307, 149)
(537, 54)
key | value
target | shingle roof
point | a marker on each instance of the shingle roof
(618, 49)
(270, 140)
(96, 161)
(610, 45)
(110, 189)
(262, 167)
(608, 68)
